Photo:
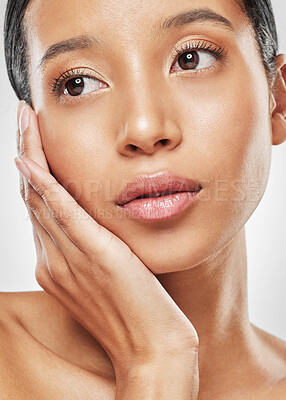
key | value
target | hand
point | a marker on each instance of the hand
(94, 274)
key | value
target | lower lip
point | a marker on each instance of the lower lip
(159, 208)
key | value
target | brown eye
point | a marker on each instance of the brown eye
(194, 60)
(75, 86)
(189, 60)
(81, 85)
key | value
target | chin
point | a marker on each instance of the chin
(189, 253)
(194, 248)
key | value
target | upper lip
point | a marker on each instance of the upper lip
(156, 183)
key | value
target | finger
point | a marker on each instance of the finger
(41, 236)
(26, 143)
(22, 182)
(42, 217)
(30, 138)
(53, 259)
(79, 226)
(21, 104)
(43, 271)
(24, 114)
(51, 264)
(18, 141)
(37, 241)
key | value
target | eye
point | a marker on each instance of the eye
(197, 55)
(74, 83)
(81, 85)
(193, 60)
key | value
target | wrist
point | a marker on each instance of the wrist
(146, 355)
(164, 378)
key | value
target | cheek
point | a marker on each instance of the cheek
(244, 136)
(227, 129)
(78, 154)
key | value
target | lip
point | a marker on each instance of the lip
(156, 208)
(156, 183)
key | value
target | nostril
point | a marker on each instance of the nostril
(164, 141)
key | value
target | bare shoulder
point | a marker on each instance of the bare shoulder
(277, 392)
(274, 349)
(34, 312)
(28, 308)
(41, 343)
(17, 302)
(273, 343)
(37, 314)
(281, 390)
(23, 309)
(12, 307)
(13, 304)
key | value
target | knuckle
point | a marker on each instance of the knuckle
(109, 242)
(44, 279)
(63, 217)
(42, 189)
(23, 148)
(22, 189)
(41, 274)
(57, 271)
(31, 199)
(56, 274)
(132, 257)
(18, 140)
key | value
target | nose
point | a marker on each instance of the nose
(149, 123)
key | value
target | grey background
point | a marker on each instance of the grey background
(266, 229)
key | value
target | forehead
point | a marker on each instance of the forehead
(50, 21)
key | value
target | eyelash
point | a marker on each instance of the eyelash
(219, 52)
(57, 83)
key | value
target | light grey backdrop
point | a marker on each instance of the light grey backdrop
(266, 229)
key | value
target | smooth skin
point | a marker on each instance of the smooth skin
(126, 303)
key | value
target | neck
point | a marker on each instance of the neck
(213, 295)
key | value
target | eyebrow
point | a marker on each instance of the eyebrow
(80, 42)
(197, 15)
(83, 42)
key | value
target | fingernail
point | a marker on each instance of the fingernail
(22, 167)
(21, 105)
(24, 119)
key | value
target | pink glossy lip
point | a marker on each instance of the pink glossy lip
(156, 183)
(160, 207)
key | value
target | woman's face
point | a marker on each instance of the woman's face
(101, 131)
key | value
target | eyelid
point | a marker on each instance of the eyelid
(57, 83)
(199, 45)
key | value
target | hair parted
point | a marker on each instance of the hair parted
(259, 12)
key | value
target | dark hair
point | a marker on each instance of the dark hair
(259, 12)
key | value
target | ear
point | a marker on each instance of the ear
(278, 102)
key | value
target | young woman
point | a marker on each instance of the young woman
(146, 126)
